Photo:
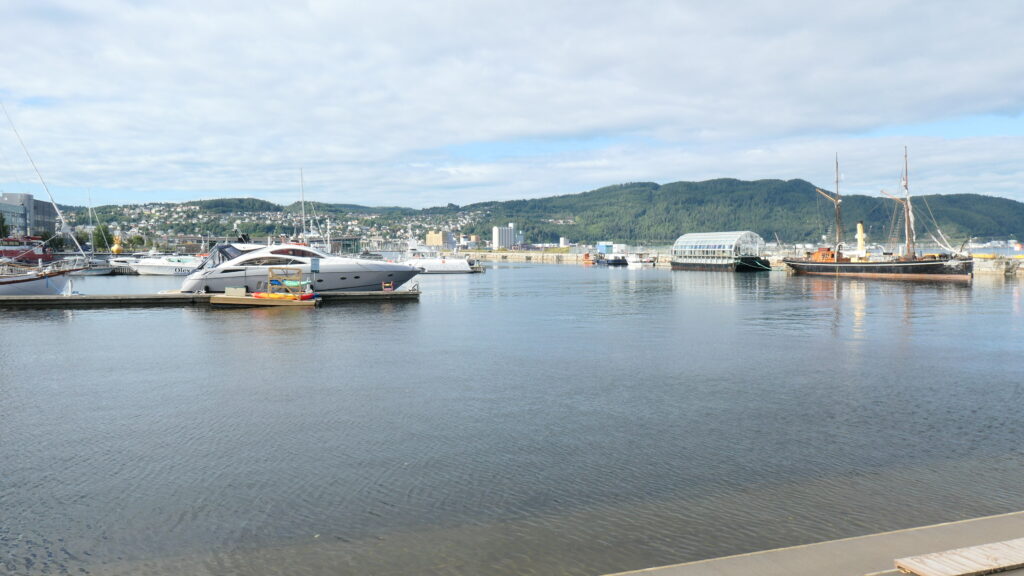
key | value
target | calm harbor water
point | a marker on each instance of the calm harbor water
(529, 420)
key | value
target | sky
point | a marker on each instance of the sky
(423, 104)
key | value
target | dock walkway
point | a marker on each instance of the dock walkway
(174, 299)
(872, 555)
(970, 561)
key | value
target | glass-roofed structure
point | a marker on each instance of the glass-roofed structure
(725, 251)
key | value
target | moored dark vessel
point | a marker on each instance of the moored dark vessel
(738, 251)
(826, 262)
(909, 266)
(612, 260)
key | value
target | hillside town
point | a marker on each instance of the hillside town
(189, 228)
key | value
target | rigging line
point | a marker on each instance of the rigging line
(938, 230)
(822, 227)
(45, 187)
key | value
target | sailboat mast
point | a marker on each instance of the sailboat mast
(839, 218)
(302, 197)
(911, 248)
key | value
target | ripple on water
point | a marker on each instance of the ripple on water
(530, 420)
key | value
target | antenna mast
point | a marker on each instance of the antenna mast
(302, 197)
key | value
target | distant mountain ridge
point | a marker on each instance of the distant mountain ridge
(650, 213)
(646, 212)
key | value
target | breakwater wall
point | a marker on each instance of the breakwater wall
(982, 266)
(542, 257)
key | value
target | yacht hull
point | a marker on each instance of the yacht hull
(163, 269)
(355, 278)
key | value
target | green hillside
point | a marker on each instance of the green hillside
(649, 213)
(234, 205)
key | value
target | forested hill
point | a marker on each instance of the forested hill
(652, 214)
(645, 212)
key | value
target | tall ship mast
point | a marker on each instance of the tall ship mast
(832, 261)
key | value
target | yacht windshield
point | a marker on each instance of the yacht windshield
(220, 254)
(300, 251)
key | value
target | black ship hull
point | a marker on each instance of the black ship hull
(942, 269)
(742, 264)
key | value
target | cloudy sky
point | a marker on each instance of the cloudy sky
(424, 103)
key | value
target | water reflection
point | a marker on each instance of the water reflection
(725, 287)
(853, 307)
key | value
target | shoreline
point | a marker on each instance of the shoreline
(1001, 266)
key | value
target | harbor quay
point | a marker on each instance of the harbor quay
(999, 266)
(172, 299)
(871, 555)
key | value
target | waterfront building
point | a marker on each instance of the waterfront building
(610, 248)
(26, 216)
(469, 241)
(503, 237)
(442, 240)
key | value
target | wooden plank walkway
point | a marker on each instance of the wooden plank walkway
(971, 561)
(872, 554)
(174, 299)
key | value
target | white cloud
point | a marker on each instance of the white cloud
(143, 101)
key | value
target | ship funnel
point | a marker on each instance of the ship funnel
(861, 237)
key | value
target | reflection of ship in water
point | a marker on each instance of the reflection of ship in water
(856, 301)
(719, 287)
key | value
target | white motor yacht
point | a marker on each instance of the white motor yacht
(246, 265)
(172, 265)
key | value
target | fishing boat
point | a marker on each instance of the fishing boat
(833, 261)
(612, 260)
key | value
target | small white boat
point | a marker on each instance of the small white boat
(435, 263)
(173, 265)
(640, 259)
(92, 267)
(122, 263)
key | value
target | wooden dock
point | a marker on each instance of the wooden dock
(972, 561)
(170, 299)
(873, 555)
